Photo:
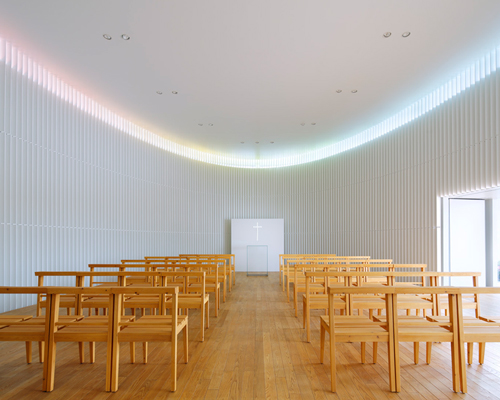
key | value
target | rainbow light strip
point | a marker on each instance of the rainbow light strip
(16, 59)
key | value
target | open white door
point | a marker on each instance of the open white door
(467, 239)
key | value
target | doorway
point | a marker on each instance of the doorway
(471, 236)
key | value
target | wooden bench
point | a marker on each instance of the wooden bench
(286, 259)
(193, 263)
(231, 264)
(356, 328)
(164, 328)
(188, 299)
(223, 263)
(477, 329)
(283, 258)
(299, 269)
(313, 301)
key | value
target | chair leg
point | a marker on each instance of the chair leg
(363, 352)
(92, 352)
(202, 322)
(333, 364)
(416, 351)
(186, 344)
(81, 351)
(207, 314)
(145, 352)
(428, 353)
(322, 345)
(173, 358)
(303, 313)
(132, 352)
(41, 351)
(375, 352)
(29, 349)
(470, 352)
(482, 348)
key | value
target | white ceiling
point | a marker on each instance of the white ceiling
(254, 69)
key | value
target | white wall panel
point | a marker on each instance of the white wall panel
(76, 190)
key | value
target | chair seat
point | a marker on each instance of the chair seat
(151, 328)
(352, 329)
(30, 329)
(89, 329)
(189, 301)
(9, 319)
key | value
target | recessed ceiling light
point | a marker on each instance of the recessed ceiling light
(387, 34)
(210, 124)
(272, 142)
(125, 37)
(242, 142)
(302, 123)
(406, 34)
(174, 92)
(106, 36)
(339, 90)
(256, 142)
(159, 92)
(200, 124)
(313, 123)
(354, 91)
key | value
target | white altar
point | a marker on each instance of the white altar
(253, 241)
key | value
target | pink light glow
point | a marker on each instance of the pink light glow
(2, 49)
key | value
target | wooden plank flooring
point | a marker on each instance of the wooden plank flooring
(255, 349)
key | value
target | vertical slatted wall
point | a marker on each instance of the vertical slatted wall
(75, 190)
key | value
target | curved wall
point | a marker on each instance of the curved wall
(76, 190)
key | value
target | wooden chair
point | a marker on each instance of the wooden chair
(224, 275)
(149, 328)
(347, 329)
(290, 261)
(212, 283)
(403, 331)
(193, 300)
(319, 301)
(476, 329)
(229, 260)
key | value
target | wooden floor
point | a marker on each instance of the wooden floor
(255, 349)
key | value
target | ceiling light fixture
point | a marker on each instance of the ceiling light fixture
(158, 92)
(313, 123)
(174, 92)
(106, 36)
(210, 124)
(125, 37)
(200, 124)
(406, 34)
(272, 142)
(339, 90)
(256, 142)
(387, 34)
(302, 123)
(242, 142)
(354, 91)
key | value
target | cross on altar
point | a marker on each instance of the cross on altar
(257, 227)
(257, 250)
